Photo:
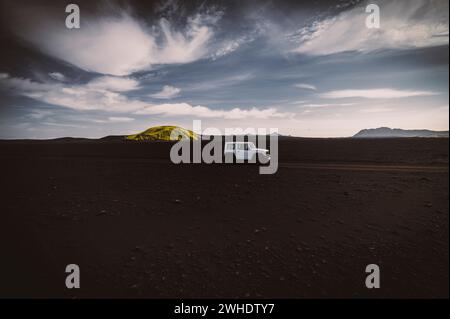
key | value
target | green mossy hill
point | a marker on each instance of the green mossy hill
(162, 133)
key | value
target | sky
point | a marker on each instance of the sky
(306, 68)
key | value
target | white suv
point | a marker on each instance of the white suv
(242, 151)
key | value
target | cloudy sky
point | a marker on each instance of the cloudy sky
(308, 68)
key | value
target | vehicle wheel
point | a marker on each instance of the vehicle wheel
(263, 159)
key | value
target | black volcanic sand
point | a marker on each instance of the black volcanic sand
(140, 226)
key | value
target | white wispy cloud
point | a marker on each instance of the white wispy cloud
(120, 119)
(57, 76)
(167, 92)
(23, 85)
(219, 82)
(115, 84)
(62, 125)
(39, 114)
(305, 86)
(376, 110)
(188, 46)
(106, 94)
(185, 109)
(231, 45)
(375, 94)
(403, 24)
(102, 93)
(120, 45)
(321, 105)
(227, 48)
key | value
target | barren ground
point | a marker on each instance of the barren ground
(140, 226)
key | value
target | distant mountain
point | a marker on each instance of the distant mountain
(162, 133)
(387, 132)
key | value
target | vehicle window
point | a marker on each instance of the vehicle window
(230, 147)
(246, 147)
(241, 146)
